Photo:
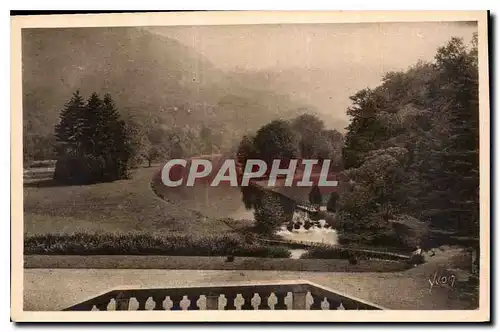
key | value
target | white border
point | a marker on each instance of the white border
(245, 18)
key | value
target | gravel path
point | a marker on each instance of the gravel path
(55, 289)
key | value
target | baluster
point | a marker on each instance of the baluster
(317, 300)
(212, 301)
(328, 306)
(299, 300)
(248, 301)
(158, 299)
(231, 298)
(264, 301)
(176, 302)
(280, 305)
(122, 302)
(102, 306)
(192, 302)
(142, 302)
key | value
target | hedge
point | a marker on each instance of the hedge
(331, 252)
(146, 244)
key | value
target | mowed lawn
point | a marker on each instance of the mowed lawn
(119, 207)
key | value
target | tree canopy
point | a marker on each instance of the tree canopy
(412, 145)
(92, 142)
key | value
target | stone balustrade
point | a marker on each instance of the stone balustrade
(289, 295)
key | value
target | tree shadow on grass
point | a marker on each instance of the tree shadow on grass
(49, 183)
(45, 183)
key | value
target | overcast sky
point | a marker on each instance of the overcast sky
(386, 45)
(347, 57)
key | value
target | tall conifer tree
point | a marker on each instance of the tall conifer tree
(68, 130)
(95, 143)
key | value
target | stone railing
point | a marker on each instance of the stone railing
(289, 295)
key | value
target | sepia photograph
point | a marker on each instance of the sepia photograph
(251, 166)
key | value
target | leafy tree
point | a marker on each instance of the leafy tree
(309, 129)
(175, 148)
(139, 142)
(38, 147)
(430, 110)
(306, 124)
(269, 214)
(365, 131)
(246, 150)
(454, 203)
(151, 154)
(209, 140)
(276, 140)
(332, 148)
(156, 145)
(374, 199)
(250, 196)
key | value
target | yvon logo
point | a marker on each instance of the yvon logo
(442, 278)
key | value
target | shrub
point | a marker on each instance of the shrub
(330, 252)
(389, 238)
(353, 260)
(269, 214)
(315, 216)
(307, 225)
(264, 251)
(250, 238)
(331, 205)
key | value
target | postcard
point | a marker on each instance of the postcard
(251, 166)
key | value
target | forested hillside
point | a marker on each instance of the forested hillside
(161, 87)
(412, 146)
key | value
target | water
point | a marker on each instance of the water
(317, 233)
(226, 201)
(296, 253)
(314, 234)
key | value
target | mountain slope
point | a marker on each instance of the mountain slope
(148, 75)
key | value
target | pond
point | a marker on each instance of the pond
(226, 202)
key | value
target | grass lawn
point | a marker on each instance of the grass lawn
(123, 206)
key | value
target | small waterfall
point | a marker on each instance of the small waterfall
(316, 233)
